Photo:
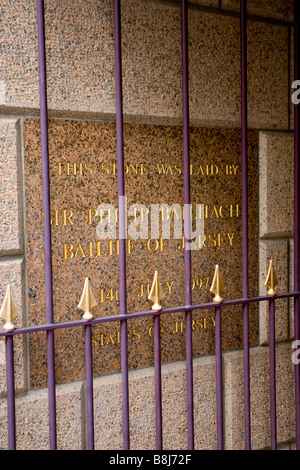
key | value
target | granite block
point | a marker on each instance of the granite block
(32, 408)
(108, 408)
(11, 217)
(79, 50)
(276, 250)
(267, 76)
(83, 176)
(12, 272)
(260, 402)
(214, 78)
(32, 424)
(277, 9)
(80, 58)
(276, 183)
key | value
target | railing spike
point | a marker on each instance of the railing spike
(271, 281)
(87, 301)
(217, 286)
(8, 310)
(156, 293)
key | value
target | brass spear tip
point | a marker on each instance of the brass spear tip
(8, 310)
(87, 301)
(271, 281)
(156, 294)
(217, 286)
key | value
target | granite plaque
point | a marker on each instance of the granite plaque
(83, 188)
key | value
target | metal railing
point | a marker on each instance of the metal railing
(8, 309)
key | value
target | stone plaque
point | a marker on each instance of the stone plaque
(83, 187)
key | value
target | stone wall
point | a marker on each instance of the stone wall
(80, 60)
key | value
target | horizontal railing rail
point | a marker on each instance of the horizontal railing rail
(145, 313)
(155, 314)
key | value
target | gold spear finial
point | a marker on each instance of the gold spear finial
(87, 301)
(8, 310)
(271, 281)
(217, 286)
(156, 293)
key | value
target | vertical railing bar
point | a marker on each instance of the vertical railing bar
(296, 213)
(157, 373)
(121, 215)
(47, 224)
(244, 165)
(10, 380)
(272, 374)
(89, 386)
(187, 251)
(219, 377)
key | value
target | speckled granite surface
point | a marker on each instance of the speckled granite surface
(153, 157)
(80, 61)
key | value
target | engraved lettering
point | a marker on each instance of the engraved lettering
(232, 169)
(68, 250)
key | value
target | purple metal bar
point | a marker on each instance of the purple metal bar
(10, 381)
(121, 212)
(244, 166)
(143, 314)
(47, 226)
(186, 198)
(272, 374)
(219, 377)
(296, 213)
(157, 372)
(89, 387)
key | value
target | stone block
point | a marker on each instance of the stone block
(80, 63)
(276, 250)
(11, 220)
(12, 273)
(276, 184)
(215, 77)
(32, 425)
(260, 401)
(277, 9)
(108, 407)
(267, 75)
(90, 163)
(32, 408)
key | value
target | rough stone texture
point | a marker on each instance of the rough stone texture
(32, 426)
(108, 407)
(260, 403)
(291, 89)
(32, 408)
(12, 272)
(276, 193)
(80, 62)
(11, 217)
(277, 9)
(277, 250)
(215, 95)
